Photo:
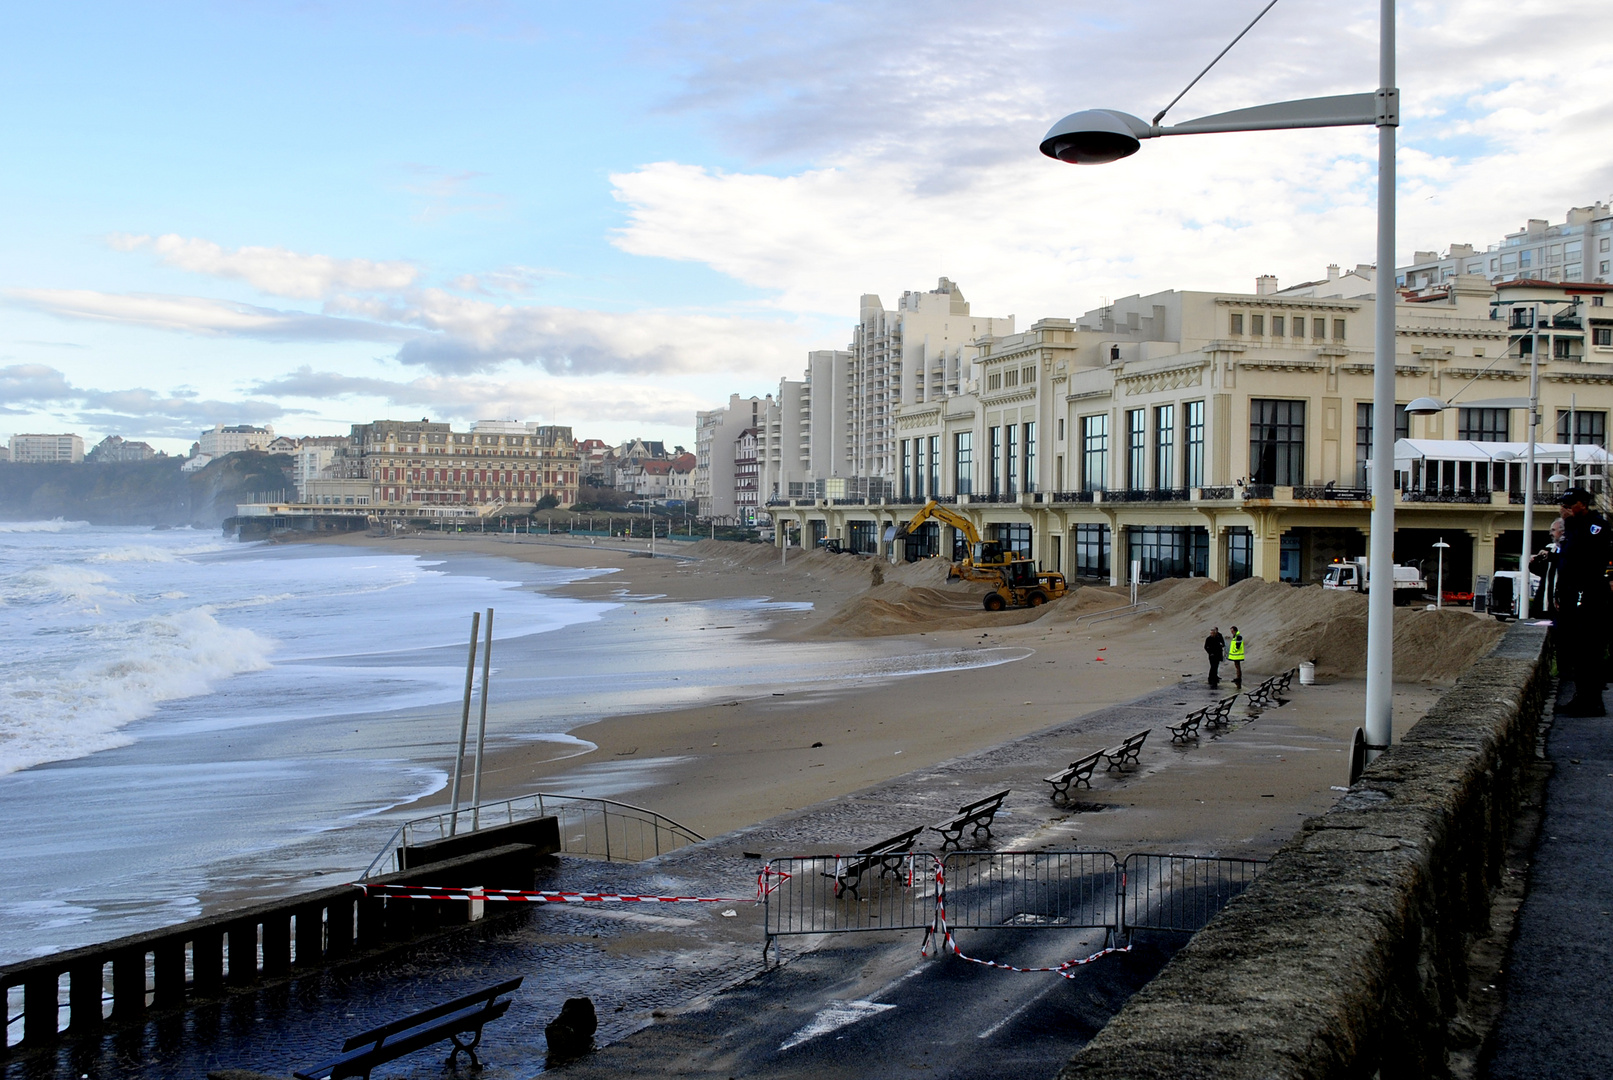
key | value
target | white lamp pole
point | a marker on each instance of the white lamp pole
(1097, 136)
(1439, 597)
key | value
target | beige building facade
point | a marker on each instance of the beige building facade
(1228, 434)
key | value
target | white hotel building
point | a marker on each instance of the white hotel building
(1223, 434)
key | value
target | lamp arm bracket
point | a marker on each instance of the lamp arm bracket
(1341, 110)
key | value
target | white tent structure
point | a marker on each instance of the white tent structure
(1464, 467)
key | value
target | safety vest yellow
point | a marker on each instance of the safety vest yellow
(1235, 647)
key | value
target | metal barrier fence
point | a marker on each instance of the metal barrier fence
(1181, 893)
(1055, 890)
(1052, 889)
(827, 894)
(590, 827)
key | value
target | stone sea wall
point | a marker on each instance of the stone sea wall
(1348, 957)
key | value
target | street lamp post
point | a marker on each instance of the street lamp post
(1097, 136)
(1439, 596)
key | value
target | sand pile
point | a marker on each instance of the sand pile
(1284, 625)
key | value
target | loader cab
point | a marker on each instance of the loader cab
(1020, 575)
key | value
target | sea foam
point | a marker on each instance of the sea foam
(140, 664)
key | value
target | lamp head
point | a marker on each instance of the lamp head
(1556, 478)
(1425, 406)
(1095, 137)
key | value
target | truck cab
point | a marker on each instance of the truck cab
(1343, 576)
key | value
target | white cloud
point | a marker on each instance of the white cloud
(446, 333)
(573, 400)
(199, 315)
(476, 335)
(277, 271)
(914, 155)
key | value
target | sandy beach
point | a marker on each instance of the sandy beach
(734, 762)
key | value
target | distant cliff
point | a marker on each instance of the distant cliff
(151, 492)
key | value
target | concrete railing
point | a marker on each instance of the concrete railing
(1348, 957)
(124, 981)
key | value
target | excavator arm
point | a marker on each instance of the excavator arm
(934, 511)
(983, 559)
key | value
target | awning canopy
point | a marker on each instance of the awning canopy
(1509, 453)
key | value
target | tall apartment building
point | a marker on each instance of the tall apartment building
(716, 432)
(221, 440)
(311, 457)
(1229, 434)
(1579, 248)
(429, 465)
(46, 448)
(910, 355)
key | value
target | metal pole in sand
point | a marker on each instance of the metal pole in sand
(481, 728)
(464, 722)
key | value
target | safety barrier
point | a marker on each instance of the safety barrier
(1002, 890)
(1181, 893)
(589, 827)
(1030, 889)
(803, 896)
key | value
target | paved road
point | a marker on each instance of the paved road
(1559, 986)
(856, 1010)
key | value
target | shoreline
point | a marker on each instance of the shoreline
(729, 764)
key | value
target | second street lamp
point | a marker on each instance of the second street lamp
(1099, 136)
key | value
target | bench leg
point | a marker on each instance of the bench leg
(467, 1048)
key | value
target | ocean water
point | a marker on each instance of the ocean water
(184, 718)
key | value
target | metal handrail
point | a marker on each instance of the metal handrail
(662, 833)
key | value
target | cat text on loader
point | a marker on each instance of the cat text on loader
(1016, 581)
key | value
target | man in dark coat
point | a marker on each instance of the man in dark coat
(1215, 647)
(1583, 602)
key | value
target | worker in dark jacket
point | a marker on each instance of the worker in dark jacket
(1583, 602)
(1215, 647)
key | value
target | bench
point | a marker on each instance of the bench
(1284, 681)
(449, 1021)
(1189, 727)
(1127, 753)
(1262, 695)
(1078, 773)
(1219, 715)
(887, 856)
(975, 816)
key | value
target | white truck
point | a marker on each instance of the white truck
(1356, 576)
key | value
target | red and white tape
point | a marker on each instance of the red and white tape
(943, 935)
(430, 892)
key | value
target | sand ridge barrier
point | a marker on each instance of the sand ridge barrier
(1348, 957)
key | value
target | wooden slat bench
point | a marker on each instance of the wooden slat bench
(1189, 727)
(1220, 714)
(886, 856)
(1078, 774)
(1262, 695)
(448, 1021)
(975, 816)
(1127, 753)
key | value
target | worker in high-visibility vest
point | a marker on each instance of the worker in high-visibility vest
(1235, 654)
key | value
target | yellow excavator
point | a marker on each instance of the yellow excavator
(1016, 582)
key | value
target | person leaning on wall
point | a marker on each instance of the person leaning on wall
(1584, 603)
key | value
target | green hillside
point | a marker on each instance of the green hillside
(151, 492)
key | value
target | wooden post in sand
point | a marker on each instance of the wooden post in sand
(464, 723)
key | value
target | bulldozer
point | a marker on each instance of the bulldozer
(1015, 582)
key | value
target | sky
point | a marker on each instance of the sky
(610, 215)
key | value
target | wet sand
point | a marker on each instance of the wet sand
(735, 762)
